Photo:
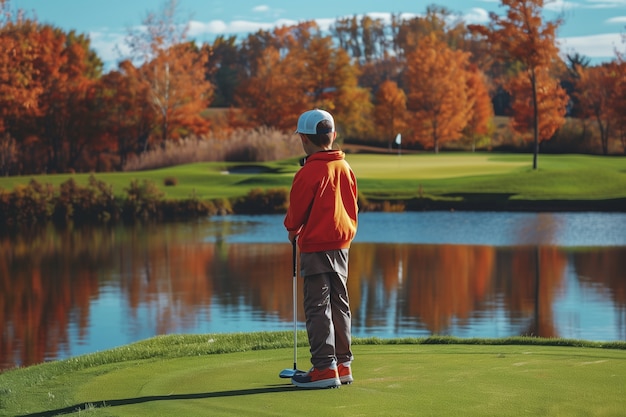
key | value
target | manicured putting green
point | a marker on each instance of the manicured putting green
(394, 380)
(425, 167)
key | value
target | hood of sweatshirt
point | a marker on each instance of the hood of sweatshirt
(332, 155)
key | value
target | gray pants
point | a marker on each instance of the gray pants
(328, 318)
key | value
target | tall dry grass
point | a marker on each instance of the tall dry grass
(244, 145)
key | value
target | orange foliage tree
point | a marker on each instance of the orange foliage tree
(19, 90)
(390, 110)
(547, 114)
(437, 92)
(274, 95)
(523, 37)
(174, 70)
(479, 124)
(68, 122)
(127, 113)
(600, 96)
(350, 102)
(292, 69)
(619, 100)
(46, 93)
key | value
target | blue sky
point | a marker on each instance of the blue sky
(592, 28)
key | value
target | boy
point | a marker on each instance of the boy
(322, 215)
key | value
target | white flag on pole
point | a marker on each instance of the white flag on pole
(398, 139)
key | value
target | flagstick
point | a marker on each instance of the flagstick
(399, 142)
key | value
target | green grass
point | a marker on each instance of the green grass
(388, 176)
(237, 374)
(569, 177)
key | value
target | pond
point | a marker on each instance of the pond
(466, 274)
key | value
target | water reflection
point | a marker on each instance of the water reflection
(74, 292)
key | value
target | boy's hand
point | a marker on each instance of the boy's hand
(293, 235)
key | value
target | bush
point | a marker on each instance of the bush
(259, 201)
(28, 204)
(95, 202)
(142, 200)
(36, 203)
(170, 181)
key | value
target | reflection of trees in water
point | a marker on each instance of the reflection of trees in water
(545, 272)
(529, 278)
(442, 285)
(603, 270)
(48, 281)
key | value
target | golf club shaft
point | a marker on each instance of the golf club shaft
(295, 311)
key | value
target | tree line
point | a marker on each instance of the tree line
(433, 78)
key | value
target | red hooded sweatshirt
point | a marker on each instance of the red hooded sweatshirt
(323, 201)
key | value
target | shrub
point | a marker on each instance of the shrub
(170, 181)
(142, 200)
(30, 203)
(259, 201)
(95, 202)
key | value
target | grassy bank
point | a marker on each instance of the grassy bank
(237, 374)
(481, 181)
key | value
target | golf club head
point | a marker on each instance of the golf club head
(289, 373)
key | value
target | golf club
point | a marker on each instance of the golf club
(288, 373)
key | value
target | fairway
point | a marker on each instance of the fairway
(430, 166)
(495, 180)
(394, 379)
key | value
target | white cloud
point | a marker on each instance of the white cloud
(560, 5)
(594, 46)
(219, 27)
(110, 46)
(605, 4)
(617, 19)
(476, 15)
(263, 8)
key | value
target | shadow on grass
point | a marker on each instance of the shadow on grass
(139, 400)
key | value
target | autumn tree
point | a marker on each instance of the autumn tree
(618, 106)
(597, 88)
(68, 122)
(438, 21)
(19, 90)
(437, 92)
(295, 68)
(547, 114)
(330, 78)
(126, 111)
(480, 120)
(275, 95)
(46, 90)
(350, 102)
(390, 110)
(175, 71)
(523, 37)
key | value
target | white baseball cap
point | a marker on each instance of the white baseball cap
(308, 121)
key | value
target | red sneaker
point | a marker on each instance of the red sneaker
(345, 373)
(318, 378)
